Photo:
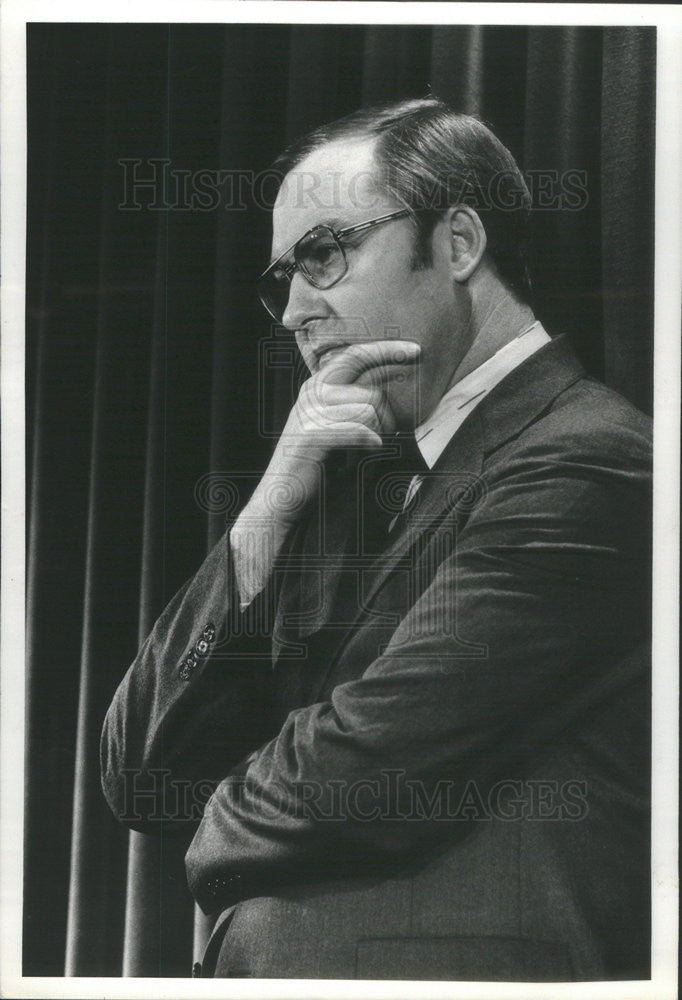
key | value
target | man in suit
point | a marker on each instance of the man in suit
(411, 680)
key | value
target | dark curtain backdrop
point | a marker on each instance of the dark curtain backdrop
(142, 356)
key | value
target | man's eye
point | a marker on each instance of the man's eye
(322, 252)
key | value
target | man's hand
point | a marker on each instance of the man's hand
(342, 405)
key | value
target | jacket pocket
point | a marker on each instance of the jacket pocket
(494, 959)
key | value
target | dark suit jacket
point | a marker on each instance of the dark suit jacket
(432, 761)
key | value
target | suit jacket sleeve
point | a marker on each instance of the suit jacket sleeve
(193, 703)
(546, 582)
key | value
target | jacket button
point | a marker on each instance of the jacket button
(187, 667)
(209, 632)
(201, 647)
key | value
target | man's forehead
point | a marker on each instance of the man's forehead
(335, 183)
(343, 169)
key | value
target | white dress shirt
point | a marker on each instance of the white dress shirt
(458, 402)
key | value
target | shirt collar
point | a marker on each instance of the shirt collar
(458, 402)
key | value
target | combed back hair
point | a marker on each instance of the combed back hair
(430, 157)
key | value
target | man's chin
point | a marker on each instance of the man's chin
(400, 391)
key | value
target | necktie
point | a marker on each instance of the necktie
(377, 492)
(409, 471)
(405, 472)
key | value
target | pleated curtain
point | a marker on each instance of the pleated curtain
(144, 359)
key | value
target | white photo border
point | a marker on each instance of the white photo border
(15, 15)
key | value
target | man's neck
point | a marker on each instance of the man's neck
(502, 318)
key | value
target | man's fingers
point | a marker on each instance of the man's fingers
(322, 394)
(337, 414)
(355, 359)
(348, 434)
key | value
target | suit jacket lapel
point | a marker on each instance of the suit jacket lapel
(443, 486)
(455, 473)
(456, 478)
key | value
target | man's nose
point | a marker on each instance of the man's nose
(304, 302)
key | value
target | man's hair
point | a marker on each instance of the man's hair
(430, 157)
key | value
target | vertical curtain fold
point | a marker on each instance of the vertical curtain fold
(396, 63)
(457, 66)
(628, 140)
(90, 945)
(149, 941)
(37, 294)
(58, 425)
(324, 77)
(148, 368)
(252, 126)
(562, 153)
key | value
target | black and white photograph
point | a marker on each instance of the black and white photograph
(344, 571)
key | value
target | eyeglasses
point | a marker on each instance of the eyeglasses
(320, 257)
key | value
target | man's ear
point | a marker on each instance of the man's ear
(467, 241)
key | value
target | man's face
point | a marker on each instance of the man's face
(381, 297)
